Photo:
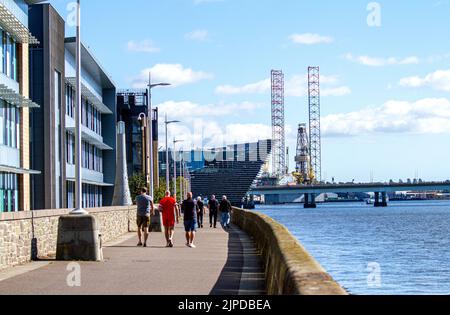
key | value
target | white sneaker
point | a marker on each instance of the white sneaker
(192, 246)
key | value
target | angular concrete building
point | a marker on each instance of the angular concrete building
(53, 85)
(15, 106)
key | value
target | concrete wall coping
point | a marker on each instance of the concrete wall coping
(290, 269)
(27, 215)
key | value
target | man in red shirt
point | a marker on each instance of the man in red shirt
(168, 207)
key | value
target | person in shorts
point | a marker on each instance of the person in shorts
(169, 210)
(145, 210)
(190, 220)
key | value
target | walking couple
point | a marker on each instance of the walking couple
(170, 210)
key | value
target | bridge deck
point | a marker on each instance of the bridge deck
(223, 263)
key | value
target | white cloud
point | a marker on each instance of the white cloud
(253, 88)
(175, 74)
(380, 62)
(197, 35)
(145, 46)
(191, 111)
(310, 39)
(296, 86)
(425, 116)
(202, 125)
(438, 80)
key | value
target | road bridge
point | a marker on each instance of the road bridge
(380, 189)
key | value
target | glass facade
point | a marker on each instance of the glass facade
(92, 157)
(92, 196)
(70, 101)
(91, 117)
(70, 148)
(9, 125)
(8, 56)
(9, 192)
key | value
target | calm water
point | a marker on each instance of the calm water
(402, 249)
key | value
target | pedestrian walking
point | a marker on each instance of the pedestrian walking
(145, 210)
(170, 212)
(225, 210)
(213, 207)
(200, 212)
(190, 220)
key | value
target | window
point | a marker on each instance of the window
(92, 196)
(9, 192)
(70, 101)
(8, 56)
(70, 195)
(9, 125)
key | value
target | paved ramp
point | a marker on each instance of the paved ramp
(223, 264)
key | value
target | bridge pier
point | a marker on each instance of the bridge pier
(383, 202)
(310, 201)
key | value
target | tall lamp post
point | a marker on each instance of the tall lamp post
(167, 123)
(150, 158)
(175, 167)
(78, 175)
(182, 191)
(143, 121)
(78, 233)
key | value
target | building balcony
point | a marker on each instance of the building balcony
(88, 176)
(91, 96)
(87, 135)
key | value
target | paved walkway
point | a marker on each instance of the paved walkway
(223, 263)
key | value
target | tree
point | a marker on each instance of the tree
(137, 182)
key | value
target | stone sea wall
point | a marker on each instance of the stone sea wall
(33, 234)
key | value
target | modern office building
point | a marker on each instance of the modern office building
(132, 105)
(15, 106)
(53, 83)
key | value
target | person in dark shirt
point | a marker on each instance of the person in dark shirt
(200, 212)
(225, 209)
(213, 207)
(190, 220)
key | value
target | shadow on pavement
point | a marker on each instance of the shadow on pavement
(240, 276)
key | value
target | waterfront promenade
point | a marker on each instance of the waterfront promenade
(222, 264)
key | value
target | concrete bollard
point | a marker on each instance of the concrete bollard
(78, 239)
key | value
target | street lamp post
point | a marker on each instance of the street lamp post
(182, 192)
(143, 121)
(78, 171)
(78, 233)
(167, 123)
(150, 158)
(175, 167)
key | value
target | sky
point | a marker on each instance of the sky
(385, 74)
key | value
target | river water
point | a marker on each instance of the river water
(403, 249)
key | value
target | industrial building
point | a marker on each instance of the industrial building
(132, 106)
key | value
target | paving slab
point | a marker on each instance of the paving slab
(224, 263)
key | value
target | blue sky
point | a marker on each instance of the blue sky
(385, 87)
